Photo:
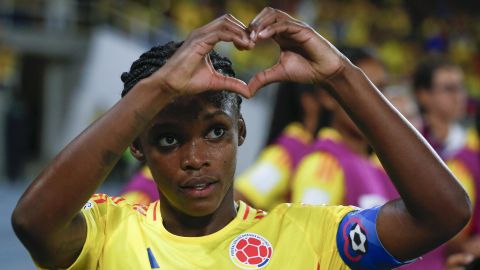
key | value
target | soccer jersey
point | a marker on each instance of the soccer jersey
(141, 189)
(267, 183)
(292, 236)
(333, 174)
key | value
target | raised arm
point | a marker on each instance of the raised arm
(46, 218)
(433, 206)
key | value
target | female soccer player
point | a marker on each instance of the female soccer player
(189, 136)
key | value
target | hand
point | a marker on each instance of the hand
(458, 261)
(305, 56)
(190, 71)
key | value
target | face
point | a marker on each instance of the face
(191, 149)
(447, 97)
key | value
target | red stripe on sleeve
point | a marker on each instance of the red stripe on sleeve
(245, 215)
(155, 211)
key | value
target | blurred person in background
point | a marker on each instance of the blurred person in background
(439, 89)
(340, 170)
(297, 116)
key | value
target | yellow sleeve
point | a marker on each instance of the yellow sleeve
(137, 197)
(320, 224)
(96, 212)
(464, 176)
(266, 183)
(319, 179)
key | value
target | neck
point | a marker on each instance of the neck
(179, 223)
(438, 127)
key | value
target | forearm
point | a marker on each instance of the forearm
(60, 191)
(427, 187)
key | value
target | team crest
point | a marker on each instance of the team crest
(250, 251)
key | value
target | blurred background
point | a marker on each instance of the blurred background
(61, 61)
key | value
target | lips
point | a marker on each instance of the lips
(199, 187)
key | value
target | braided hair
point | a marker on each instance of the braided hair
(157, 56)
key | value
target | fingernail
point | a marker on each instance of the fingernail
(263, 33)
(469, 258)
(252, 35)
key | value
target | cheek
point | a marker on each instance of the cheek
(162, 166)
(227, 158)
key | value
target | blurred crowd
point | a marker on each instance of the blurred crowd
(423, 55)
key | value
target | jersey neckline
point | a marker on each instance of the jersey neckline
(154, 218)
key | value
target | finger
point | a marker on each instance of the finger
(237, 21)
(239, 28)
(244, 32)
(223, 82)
(266, 17)
(227, 36)
(229, 23)
(459, 260)
(292, 29)
(265, 77)
(229, 20)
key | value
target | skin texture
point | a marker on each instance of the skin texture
(48, 212)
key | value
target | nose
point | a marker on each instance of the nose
(194, 156)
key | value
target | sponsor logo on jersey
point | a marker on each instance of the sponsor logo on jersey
(88, 205)
(250, 251)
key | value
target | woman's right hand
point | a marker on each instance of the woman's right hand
(190, 71)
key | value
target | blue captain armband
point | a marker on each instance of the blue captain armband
(358, 243)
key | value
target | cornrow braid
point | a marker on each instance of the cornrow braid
(157, 56)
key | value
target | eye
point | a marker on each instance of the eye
(215, 133)
(167, 140)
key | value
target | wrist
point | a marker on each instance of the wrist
(151, 94)
(344, 77)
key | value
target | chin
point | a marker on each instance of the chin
(200, 208)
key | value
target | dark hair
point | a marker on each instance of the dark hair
(423, 74)
(157, 56)
(288, 108)
(358, 54)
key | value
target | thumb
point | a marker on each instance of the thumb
(222, 82)
(265, 77)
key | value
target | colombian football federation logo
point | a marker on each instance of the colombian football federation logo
(250, 251)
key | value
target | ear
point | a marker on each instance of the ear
(242, 130)
(136, 150)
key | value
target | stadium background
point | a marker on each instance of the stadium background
(60, 62)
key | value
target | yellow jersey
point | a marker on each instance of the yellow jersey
(292, 236)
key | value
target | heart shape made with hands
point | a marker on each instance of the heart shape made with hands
(296, 61)
(305, 56)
